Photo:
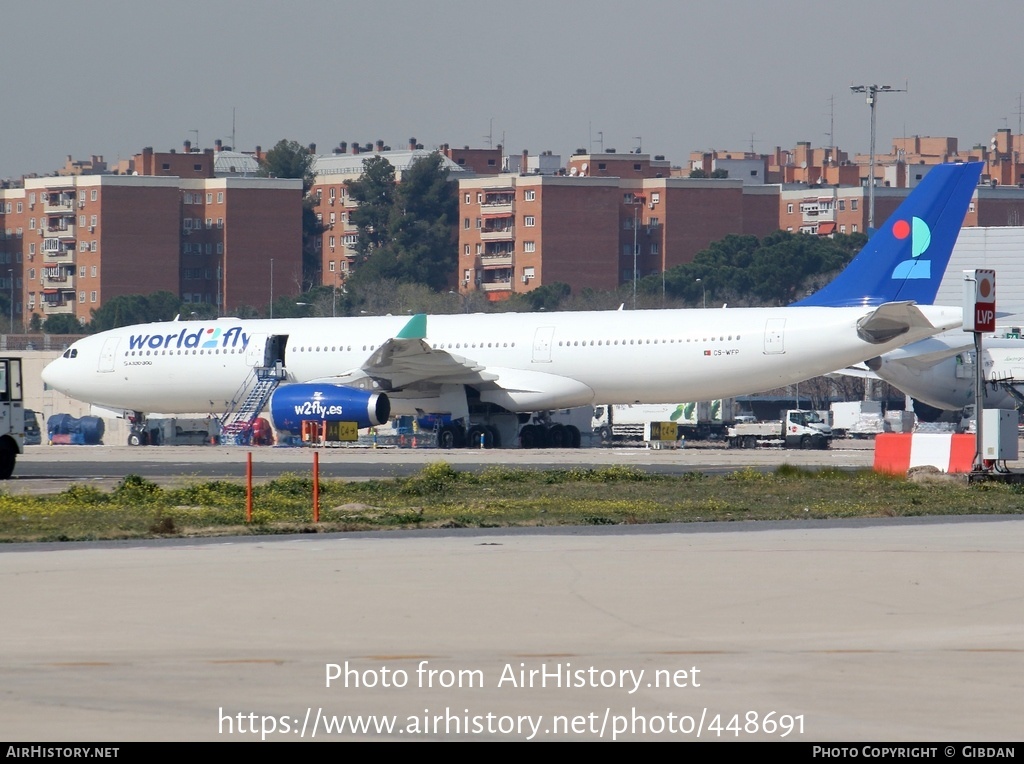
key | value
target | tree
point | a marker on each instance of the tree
(375, 192)
(128, 309)
(62, 323)
(290, 159)
(406, 231)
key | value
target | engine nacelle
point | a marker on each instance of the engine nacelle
(291, 405)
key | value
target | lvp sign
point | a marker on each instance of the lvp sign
(980, 300)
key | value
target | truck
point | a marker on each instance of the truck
(857, 419)
(699, 420)
(12, 416)
(796, 428)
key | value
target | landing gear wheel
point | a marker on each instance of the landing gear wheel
(573, 438)
(448, 437)
(479, 436)
(495, 436)
(556, 436)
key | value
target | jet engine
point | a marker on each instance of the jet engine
(291, 405)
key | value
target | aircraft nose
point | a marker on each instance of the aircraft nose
(55, 374)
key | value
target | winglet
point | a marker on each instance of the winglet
(416, 329)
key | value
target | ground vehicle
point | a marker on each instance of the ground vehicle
(175, 431)
(701, 420)
(857, 419)
(33, 435)
(12, 416)
(795, 429)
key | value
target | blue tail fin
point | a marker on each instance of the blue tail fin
(906, 259)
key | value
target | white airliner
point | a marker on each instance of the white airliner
(483, 370)
(938, 373)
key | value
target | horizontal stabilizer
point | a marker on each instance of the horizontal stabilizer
(891, 320)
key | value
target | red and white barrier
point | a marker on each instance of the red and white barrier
(898, 452)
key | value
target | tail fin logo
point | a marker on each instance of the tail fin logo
(920, 238)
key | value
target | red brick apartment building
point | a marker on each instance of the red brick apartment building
(70, 242)
(590, 227)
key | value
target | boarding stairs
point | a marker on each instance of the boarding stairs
(247, 403)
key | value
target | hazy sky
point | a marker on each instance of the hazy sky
(112, 76)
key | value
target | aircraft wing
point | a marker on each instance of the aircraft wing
(406, 361)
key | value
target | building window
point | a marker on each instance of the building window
(165, 166)
(970, 207)
(466, 250)
(655, 249)
(92, 296)
(31, 224)
(31, 249)
(479, 197)
(81, 297)
(853, 204)
(854, 228)
(331, 243)
(529, 246)
(220, 222)
(636, 166)
(479, 248)
(197, 167)
(330, 266)
(220, 197)
(465, 224)
(220, 248)
(31, 274)
(209, 197)
(530, 195)
(93, 271)
(467, 198)
(789, 209)
(528, 273)
(842, 205)
(209, 223)
(654, 222)
(655, 197)
(842, 229)
(529, 221)
(81, 272)
(467, 275)
(92, 246)
(479, 223)
(627, 250)
(81, 220)
(332, 218)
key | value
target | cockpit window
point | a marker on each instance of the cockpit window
(71, 353)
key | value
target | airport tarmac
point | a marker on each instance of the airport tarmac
(858, 631)
(53, 468)
(866, 630)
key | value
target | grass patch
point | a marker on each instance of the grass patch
(439, 496)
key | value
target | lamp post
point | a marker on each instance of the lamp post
(11, 272)
(271, 287)
(872, 96)
(703, 293)
(637, 201)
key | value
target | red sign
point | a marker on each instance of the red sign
(980, 300)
